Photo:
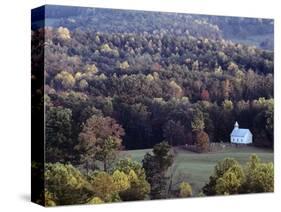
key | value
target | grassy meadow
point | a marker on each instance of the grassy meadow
(196, 168)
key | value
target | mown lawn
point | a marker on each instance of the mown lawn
(196, 168)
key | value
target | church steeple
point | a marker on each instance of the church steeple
(236, 125)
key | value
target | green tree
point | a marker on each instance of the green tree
(176, 90)
(104, 186)
(232, 67)
(83, 84)
(65, 185)
(107, 150)
(269, 114)
(139, 187)
(50, 199)
(63, 33)
(259, 176)
(121, 180)
(65, 80)
(220, 169)
(231, 181)
(227, 105)
(185, 190)
(59, 143)
(124, 65)
(156, 166)
(105, 48)
(230, 178)
(197, 123)
(95, 200)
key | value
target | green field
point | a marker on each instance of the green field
(196, 168)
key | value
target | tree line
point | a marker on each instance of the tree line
(155, 85)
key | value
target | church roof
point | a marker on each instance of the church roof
(240, 132)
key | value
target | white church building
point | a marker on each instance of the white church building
(240, 136)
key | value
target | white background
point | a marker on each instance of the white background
(15, 104)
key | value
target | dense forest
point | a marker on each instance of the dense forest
(133, 79)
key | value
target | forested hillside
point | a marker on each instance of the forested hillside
(130, 80)
(150, 81)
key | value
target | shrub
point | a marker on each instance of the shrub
(185, 190)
